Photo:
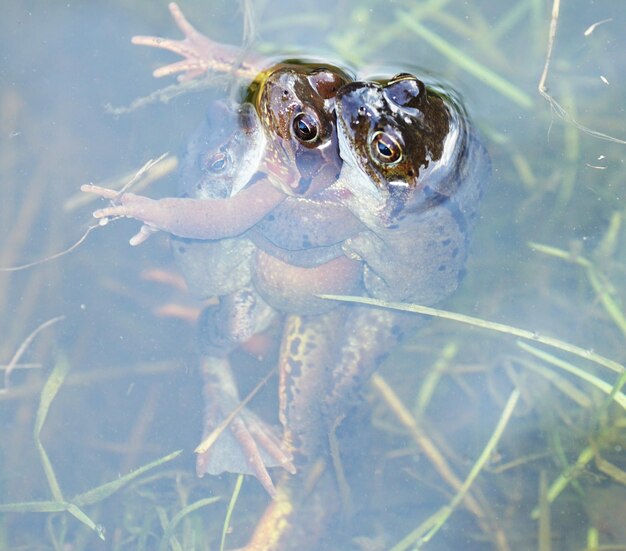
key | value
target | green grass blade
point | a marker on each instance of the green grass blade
(490, 325)
(48, 393)
(231, 508)
(34, 507)
(102, 492)
(465, 62)
(432, 525)
(601, 385)
(171, 526)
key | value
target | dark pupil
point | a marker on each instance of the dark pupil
(218, 164)
(384, 149)
(304, 128)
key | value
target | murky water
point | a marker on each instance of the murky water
(133, 395)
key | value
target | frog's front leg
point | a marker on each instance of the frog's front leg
(200, 53)
(247, 445)
(192, 218)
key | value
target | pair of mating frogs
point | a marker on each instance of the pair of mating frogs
(315, 182)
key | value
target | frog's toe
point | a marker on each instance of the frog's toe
(100, 191)
(247, 446)
(191, 68)
(144, 232)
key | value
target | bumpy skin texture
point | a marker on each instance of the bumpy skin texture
(394, 224)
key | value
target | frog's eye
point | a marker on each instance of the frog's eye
(217, 163)
(305, 127)
(385, 148)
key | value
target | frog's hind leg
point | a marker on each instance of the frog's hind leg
(244, 444)
(306, 502)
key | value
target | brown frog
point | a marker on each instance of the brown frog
(227, 138)
(220, 160)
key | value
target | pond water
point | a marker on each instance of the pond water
(548, 255)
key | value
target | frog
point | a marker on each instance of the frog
(220, 158)
(249, 446)
(414, 172)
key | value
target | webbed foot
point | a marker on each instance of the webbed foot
(200, 53)
(245, 444)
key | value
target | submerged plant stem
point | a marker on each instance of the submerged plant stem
(490, 325)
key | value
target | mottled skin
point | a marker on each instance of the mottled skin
(224, 268)
(220, 160)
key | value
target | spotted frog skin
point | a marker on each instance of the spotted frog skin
(225, 267)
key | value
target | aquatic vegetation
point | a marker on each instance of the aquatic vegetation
(549, 258)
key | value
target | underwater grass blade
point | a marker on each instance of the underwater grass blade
(489, 325)
(48, 393)
(465, 62)
(425, 532)
(562, 384)
(544, 538)
(601, 385)
(22, 348)
(172, 524)
(431, 381)
(53, 507)
(102, 492)
(421, 439)
(230, 509)
(597, 280)
(566, 478)
(34, 507)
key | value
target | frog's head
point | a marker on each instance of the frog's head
(296, 106)
(224, 153)
(398, 140)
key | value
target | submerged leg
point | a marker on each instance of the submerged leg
(304, 504)
(245, 444)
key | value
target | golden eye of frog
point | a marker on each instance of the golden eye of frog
(295, 102)
(224, 152)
